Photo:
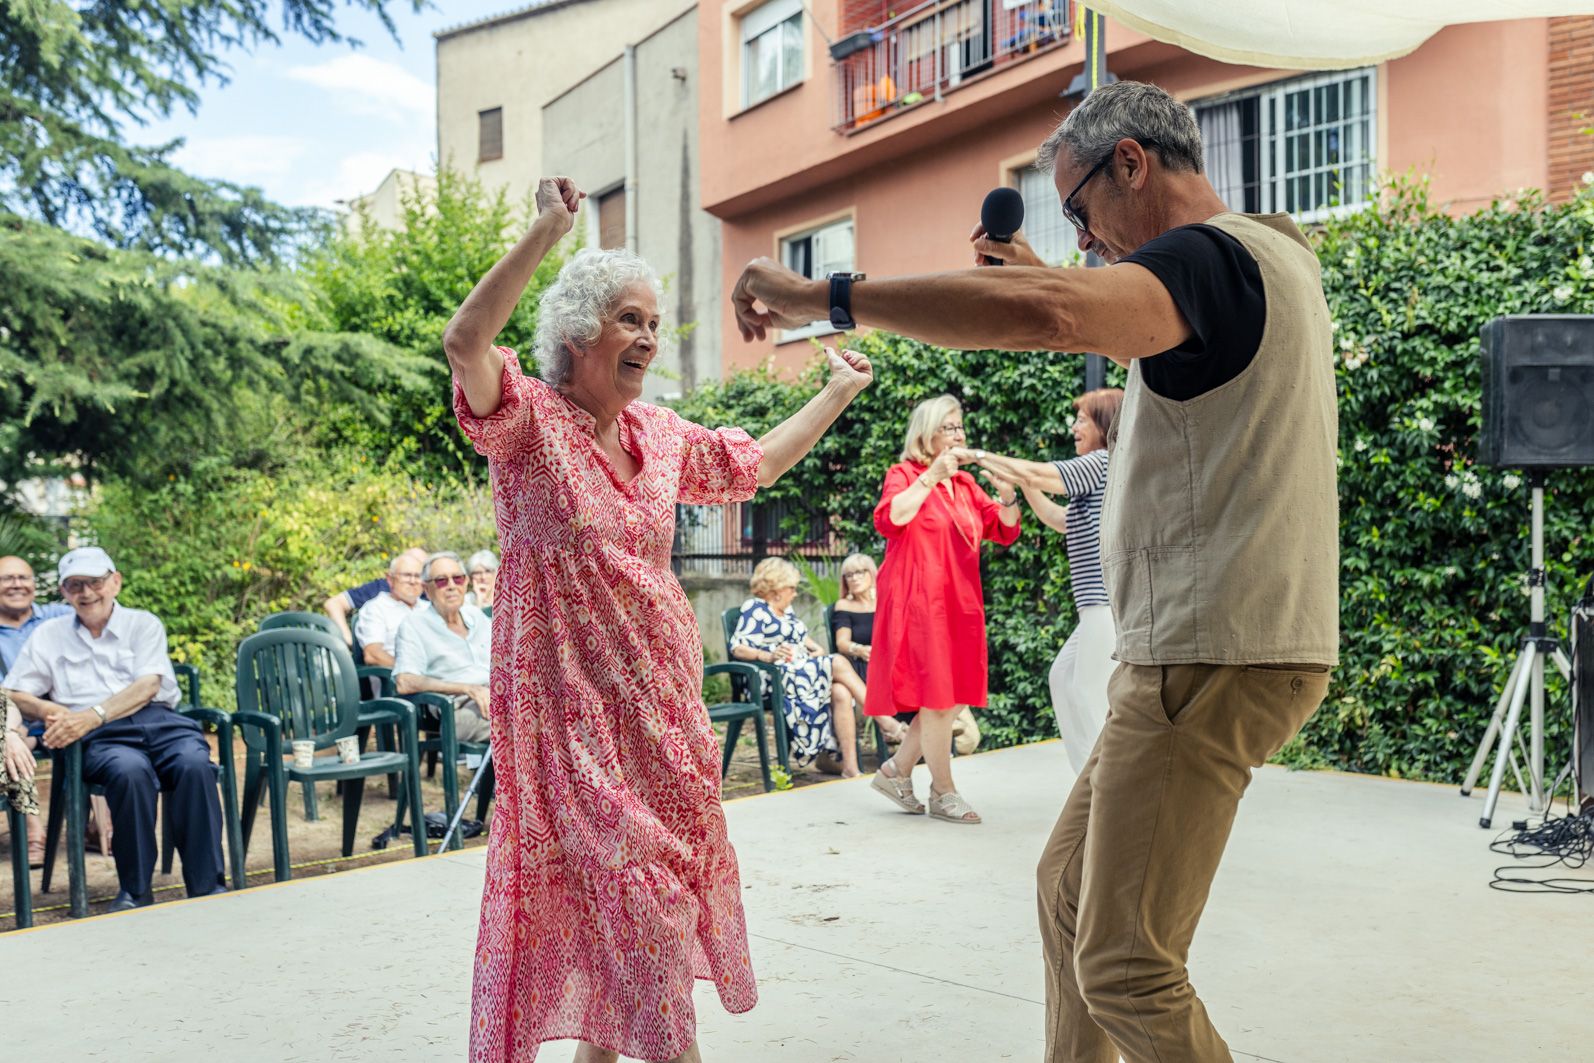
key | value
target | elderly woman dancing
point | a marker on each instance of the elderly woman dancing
(611, 883)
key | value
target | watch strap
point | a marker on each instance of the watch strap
(841, 302)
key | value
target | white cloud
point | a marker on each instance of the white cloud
(245, 158)
(371, 86)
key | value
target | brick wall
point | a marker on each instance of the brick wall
(1571, 103)
(862, 14)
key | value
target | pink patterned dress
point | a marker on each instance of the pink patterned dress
(611, 883)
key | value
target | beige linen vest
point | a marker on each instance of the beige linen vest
(1220, 526)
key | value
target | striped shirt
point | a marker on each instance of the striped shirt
(1085, 482)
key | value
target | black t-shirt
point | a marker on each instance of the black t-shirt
(1217, 286)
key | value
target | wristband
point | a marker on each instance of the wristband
(1014, 502)
(924, 482)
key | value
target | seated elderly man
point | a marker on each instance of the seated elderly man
(102, 677)
(342, 604)
(20, 616)
(447, 649)
(376, 628)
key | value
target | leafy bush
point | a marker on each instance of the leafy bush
(1435, 549)
(212, 555)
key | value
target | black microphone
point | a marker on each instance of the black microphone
(1002, 214)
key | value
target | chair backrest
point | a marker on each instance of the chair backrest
(313, 621)
(830, 629)
(304, 678)
(729, 619)
(187, 684)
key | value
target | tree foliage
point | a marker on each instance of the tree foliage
(130, 363)
(73, 75)
(1435, 548)
(402, 285)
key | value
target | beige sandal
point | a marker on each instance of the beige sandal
(951, 807)
(898, 791)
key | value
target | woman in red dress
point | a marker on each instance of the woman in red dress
(929, 638)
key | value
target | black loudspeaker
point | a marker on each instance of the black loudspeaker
(1538, 392)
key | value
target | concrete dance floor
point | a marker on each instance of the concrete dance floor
(1352, 920)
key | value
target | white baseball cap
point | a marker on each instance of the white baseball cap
(84, 561)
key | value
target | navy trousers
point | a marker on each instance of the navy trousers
(129, 757)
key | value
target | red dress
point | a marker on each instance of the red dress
(929, 629)
(611, 884)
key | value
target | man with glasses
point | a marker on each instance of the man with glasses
(376, 627)
(20, 616)
(1220, 542)
(102, 677)
(448, 649)
(344, 604)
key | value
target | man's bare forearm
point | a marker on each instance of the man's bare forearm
(33, 707)
(410, 683)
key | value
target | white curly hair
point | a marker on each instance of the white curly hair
(574, 306)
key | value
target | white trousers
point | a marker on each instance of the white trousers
(1078, 681)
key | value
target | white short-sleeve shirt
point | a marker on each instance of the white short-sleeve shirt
(379, 620)
(65, 664)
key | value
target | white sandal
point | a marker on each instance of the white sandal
(898, 791)
(951, 807)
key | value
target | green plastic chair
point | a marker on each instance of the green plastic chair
(735, 713)
(21, 880)
(69, 796)
(774, 697)
(440, 708)
(296, 683)
(375, 682)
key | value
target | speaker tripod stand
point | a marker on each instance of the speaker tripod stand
(1525, 687)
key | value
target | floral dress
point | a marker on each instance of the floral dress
(805, 682)
(611, 883)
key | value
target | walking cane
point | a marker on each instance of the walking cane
(464, 802)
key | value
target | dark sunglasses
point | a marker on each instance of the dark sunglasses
(442, 581)
(1074, 213)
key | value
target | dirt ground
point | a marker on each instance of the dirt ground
(314, 848)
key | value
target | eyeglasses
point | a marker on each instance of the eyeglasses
(78, 586)
(951, 430)
(405, 577)
(1073, 212)
(458, 580)
(18, 580)
(860, 572)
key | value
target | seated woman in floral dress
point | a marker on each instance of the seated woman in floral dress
(770, 631)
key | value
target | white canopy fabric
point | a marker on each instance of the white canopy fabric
(1314, 34)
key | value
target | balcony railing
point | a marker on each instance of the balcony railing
(933, 48)
(729, 540)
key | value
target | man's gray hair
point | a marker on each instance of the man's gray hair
(441, 555)
(482, 559)
(1132, 109)
(574, 306)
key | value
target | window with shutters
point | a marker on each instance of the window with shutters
(1047, 231)
(817, 253)
(490, 135)
(611, 219)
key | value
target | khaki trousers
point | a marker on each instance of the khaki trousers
(1126, 873)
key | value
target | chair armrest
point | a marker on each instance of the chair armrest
(268, 725)
(391, 710)
(383, 677)
(747, 671)
(221, 720)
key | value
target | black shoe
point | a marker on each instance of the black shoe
(212, 893)
(126, 902)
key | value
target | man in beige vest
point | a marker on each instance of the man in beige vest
(1219, 538)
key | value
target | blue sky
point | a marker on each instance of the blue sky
(314, 125)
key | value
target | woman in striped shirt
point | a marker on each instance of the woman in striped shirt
(1079, 675)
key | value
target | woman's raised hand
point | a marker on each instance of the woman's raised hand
(849, 369)
(945, 464)
(558, 199)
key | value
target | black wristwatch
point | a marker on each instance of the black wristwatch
(841, 300)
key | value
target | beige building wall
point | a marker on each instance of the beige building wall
(520, 60)
(385, 206)
(584, 132)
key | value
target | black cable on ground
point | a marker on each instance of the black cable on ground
(1565, 841)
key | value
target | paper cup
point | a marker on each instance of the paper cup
(349, 749)
(303, 754)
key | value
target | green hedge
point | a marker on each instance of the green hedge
(1434, 547)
